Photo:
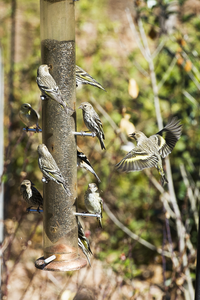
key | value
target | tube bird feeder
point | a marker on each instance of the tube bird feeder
(60, 233)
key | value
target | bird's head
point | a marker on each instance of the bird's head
(86, 106)
(43, 70)
(92, 187)
(137, 135)
(25, 184)
(26, 108)
(42, 150)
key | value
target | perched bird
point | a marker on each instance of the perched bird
(149, 151)
(49, 88)
(30, 194)
(83, 162)
(83, 77)
(93, 122)
(49, 167)
(83, 242)
(29, 116)
(93, 201)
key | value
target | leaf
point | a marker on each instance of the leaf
(126, 125)
(133, 88)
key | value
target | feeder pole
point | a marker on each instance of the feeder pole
(60, 233)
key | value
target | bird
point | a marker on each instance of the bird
(29, 116)
(82, 77)
(49, 87)
(149, 151)
(93, 122)
(30, 194)
(83, 242)
(83, 162)
(93, 201)
(49, 167)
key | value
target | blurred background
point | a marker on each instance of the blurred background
(146, 54)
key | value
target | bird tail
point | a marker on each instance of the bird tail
(68, 110)
(81, 245)
(65, 187)
(93, 172)
(161, 172)
(100, 222)
(163, 180)
(101, 142)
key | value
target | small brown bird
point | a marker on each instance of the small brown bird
(49, 87)
(29, 116)
(83, 242)
(83, 77)
(93, 201)
(149, 151)
(93, 122)
(30, 194)
(49, 167)
(83, 162)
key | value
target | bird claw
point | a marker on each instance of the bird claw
(93, 134)
(28, 209)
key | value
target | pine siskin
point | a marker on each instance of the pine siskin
(149, 151)
(49, 167)
(83, 242)
(29, 116)
(93, 122)
(83, 77)
(83, 162)
(93, 201)
(49, 88)
(30, 194)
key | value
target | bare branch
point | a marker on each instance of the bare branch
(190, 195)
(168, 72)
(135, 33)
(159, 48)
(189, 97)
(133, 235)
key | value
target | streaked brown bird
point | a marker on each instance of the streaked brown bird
(30, 194)
(83, 242)
(49, 87)
(93, 122)
(83, 77)
(29, 116)
(83, 162)
(149, 151)
(93, 201)
(49, 167)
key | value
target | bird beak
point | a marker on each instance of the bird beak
(132, 135)
(80, 107)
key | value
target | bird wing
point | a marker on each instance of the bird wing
(137, 159)
(167, 138)
(52, 169)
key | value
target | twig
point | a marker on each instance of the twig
(135, 33)
(133, 235)
(190, 194)
(167, 73)
(189, 97)
(159, 48)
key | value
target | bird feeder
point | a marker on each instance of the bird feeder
(60, 233)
